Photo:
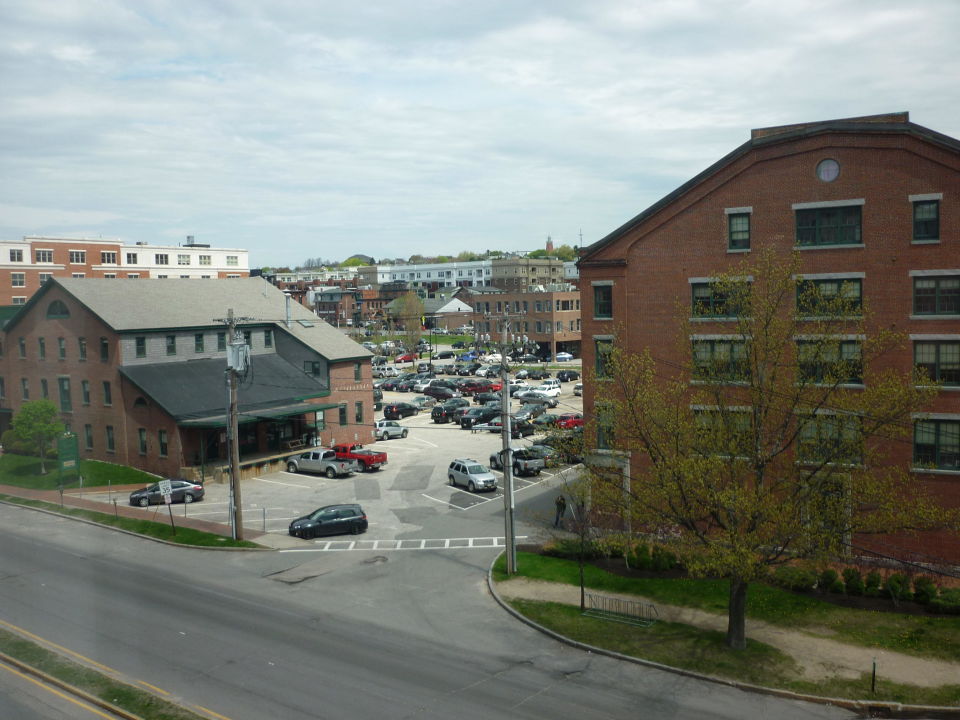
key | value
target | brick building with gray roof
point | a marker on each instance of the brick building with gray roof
(137, 368)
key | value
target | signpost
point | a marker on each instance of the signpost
(166, 489)
(68, 458)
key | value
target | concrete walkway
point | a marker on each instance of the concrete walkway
(818, 657)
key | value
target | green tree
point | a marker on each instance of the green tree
(38, 423)
(770, 442)
(353, 262)
(409, 313)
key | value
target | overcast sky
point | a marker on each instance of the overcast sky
(322, 129)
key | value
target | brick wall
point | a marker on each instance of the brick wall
(651, 264)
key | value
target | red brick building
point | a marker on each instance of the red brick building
(873, 202)
(138, 371)
(26, 264)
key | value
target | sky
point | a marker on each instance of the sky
(319, 129)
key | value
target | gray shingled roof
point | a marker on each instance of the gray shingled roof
(156, 304)
(194, 391)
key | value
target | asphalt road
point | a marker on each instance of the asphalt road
(323, 635)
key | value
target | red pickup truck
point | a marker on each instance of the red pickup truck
(368, 460)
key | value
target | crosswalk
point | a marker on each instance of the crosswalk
(406, 544)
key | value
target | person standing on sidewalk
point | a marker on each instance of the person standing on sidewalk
(561, 503)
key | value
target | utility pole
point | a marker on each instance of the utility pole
(236, 364)
(510, 539)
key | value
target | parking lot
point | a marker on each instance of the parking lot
(403, 497)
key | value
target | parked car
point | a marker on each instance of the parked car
(394, 382)
(180, 491)
(485, 397)
(529, 411)
(568, 375)
(578, 389)
(547, 420)
(406, 385)
(567, 443)
(469, 369)
(389, 429)
(570, 420)
(396, 411)
(552, 391)
(471, 474)
(516, 386)
(330, 520)
(450, 411)
(423, 401)
(523, 461)
(564, 357)
(458, 345)
(536, 374)
(445, 355)
(441, 393)
(478, 416)
(422, 384)
(406, 357)
(522, 374)
(518, 428)
(535, 396)
(472, 387)
(424, 367)
(387, 371)
(322, 461)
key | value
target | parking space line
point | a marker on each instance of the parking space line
(442, 502)
(277, 482)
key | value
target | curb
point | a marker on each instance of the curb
(864, 708)
(83, 695)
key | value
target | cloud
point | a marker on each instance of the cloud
(296, 130)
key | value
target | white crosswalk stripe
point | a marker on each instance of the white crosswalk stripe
(407, 544)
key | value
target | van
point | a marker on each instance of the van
(550, 382)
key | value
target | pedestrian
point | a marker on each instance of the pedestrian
(561, 503)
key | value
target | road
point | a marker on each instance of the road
(321, 634)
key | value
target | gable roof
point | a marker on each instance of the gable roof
(165, 304)
(890, 123)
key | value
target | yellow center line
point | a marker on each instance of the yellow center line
(54, 691)
(153, 687)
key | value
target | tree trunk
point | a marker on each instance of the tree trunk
(736, 614)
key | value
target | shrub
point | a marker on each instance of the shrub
(924, 589)
(662, 559)
(873, 584)
(640, 557)
(794, 578)
(897, 587)
(569, 548)
(838, 587)
(826, 580)
(852, 582)
(15, 446)
(948, 602)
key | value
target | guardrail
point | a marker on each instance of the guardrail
(631, 612)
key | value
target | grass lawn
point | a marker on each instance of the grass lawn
(921, 635)
(23, 471)
(150, 528)
(703, 651)
(131, 699)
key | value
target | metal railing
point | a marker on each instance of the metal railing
(631, 612)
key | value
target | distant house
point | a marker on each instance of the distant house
(138, 371)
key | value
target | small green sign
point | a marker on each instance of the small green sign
(68, 454)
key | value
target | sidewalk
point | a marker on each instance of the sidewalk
(73, 498)
(818, 658)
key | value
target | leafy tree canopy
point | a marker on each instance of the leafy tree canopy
(38, 423)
